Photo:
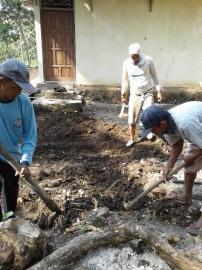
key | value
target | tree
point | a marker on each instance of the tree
(17, 36)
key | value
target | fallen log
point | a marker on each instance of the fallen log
(60, 258)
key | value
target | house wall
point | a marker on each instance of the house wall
(171, 34)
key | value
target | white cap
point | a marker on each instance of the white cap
(134, 48)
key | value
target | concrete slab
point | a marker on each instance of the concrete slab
(71, 104)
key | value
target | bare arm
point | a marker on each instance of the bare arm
(153, 73)
(175, 151)
(155, 80)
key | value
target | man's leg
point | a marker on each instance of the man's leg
(190, 174)
(135, 104)
(148, 101)
(195, 227)
(132, 131)
(10, 187)
(186, 195)
(188, 185)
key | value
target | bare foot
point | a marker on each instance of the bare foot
(179, 197)
(195, 227)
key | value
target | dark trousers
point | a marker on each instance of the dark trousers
(8, 187)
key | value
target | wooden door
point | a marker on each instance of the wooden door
(58, 45)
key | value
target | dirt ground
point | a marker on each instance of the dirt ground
(81, 161)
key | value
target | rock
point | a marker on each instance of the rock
(21, 242)
(138, 245)
(173, 239)
(97, 217)
(52, 156)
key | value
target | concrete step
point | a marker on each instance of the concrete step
(51, 85)
(69, 94)
(72, 105)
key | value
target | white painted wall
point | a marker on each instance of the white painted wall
(171, 34)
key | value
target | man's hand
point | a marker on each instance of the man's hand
(159, 90)
(124, 100)
(25, 171)
(159, 96)
(165, 174)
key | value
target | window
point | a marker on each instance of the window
(57, 4)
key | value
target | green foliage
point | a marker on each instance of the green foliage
(17, 33)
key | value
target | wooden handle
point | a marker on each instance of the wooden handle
(130, 204)
(122, 110)
(48, 201)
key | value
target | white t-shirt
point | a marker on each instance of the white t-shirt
(188, 120)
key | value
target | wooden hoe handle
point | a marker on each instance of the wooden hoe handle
(122, 110)
(41, 193)
(130, 204)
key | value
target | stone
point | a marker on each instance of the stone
(20, 243)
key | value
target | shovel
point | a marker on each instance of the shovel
(41, 193)
(130, 204)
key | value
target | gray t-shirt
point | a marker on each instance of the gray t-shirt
(188, 120)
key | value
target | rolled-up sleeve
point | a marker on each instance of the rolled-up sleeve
(125, 81)
(154, 75)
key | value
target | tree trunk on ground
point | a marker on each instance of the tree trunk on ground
(60, 258)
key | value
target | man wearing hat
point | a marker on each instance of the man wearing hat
(179, 124)
(138, 73)
(17, 128)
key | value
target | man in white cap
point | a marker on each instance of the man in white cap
(17, 129)
(138, 73)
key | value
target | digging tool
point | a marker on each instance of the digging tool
(122, 110)
(130, 204)
(48, 201)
